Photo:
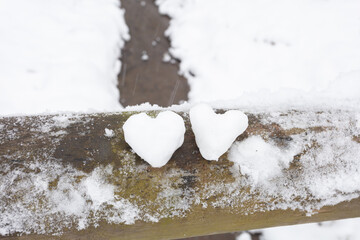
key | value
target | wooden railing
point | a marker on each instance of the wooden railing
(204, 197)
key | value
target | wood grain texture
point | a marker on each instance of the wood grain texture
(202, 200)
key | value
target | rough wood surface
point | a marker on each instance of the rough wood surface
(205, 197)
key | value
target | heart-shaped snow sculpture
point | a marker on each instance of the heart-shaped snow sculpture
(155, 139)
(214, 133)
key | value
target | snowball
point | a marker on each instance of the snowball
(155, 139)
(109, 133)
(258, 159)
(214, 133)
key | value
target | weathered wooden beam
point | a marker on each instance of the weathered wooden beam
(50, 162)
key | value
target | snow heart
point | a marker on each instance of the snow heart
(214, 133)
(155, 139)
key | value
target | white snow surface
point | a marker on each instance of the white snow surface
(347, 229)
(325, 170)
(267, 52)
(60, 55)
(70, 203)
(324, 173)
(244, 236)
(109, 133)
(260, 160)
(214, 133)
(155, 139)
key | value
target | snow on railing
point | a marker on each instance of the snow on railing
(70, 172)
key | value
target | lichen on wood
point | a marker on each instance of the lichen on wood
(47, 157)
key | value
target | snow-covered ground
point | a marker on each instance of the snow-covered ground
(267, 52)
(333, 230)
(60, 55)
(347, 229)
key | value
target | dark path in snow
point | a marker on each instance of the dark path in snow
(150, 80)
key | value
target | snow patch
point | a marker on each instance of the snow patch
(358, 122)
(61, 121)
(155, 139)
(166, 57)
(258, 159)
(214, 133)
(58, 133)
(109, 133)
(98, 191)
(260, 55)
(327, 162)
(49, 198)
(244, 236)
(347, 229)
(60, 55)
